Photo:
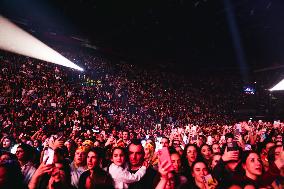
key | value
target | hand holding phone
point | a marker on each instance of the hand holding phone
(164, 156)
(48, 156)
(232, 146)
(209, 182)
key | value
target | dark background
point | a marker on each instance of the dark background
(181, 34)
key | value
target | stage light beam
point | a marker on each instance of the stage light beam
(16, 40)
(278, 87)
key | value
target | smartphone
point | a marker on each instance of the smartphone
(164, 155)
(48, 153)
(208, 180)
(194, 138)
(232, 146)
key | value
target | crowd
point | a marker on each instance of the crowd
(119, 126)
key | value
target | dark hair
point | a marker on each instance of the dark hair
(244, 158)
(271, 154)
(205, 145)
(13, 176)
(172, 150)
(119, 148)
(135, 142)
(184, 154)
(28, 151)
(67, 170)
(199, 161)
(185, 165)
(98, 151)
(229, 135)
(166, 138)
(245, 155)
(124, 151)
(12, 140)
(11, 156)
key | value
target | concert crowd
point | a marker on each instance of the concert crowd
(116, 125)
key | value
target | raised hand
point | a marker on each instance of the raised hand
(164, 168)
(230, 155)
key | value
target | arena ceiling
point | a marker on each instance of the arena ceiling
(198, 33)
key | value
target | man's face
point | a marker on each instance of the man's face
(80, 157)
(136, 155)
(229, 140)
(92, 160)
(125, 135)
(165, 142)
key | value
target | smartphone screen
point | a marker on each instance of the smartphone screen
(48, 153)
(232, 146)
(164, 155)
(208, 180)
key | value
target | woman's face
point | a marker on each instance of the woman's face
(199, 171)
(20, 153)
(277, 152)
(206, 152)
(118, 157)
(253, 166)
(191, 154)
(6, 143)
(147, 153)
(216, 148)
(215, 160)
(176, 162)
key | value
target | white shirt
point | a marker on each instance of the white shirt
(28, 171)
(76, 173)
(122, 177)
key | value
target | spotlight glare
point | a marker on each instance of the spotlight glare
(16, 40)
(278, 87)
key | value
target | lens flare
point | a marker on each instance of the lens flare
(16, 40)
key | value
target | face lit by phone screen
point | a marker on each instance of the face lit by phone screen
(199, 171)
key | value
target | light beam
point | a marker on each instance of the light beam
(278, 87)
(16, 40)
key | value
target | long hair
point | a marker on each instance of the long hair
(13, 175)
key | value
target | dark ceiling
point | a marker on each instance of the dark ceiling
(199, 33)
